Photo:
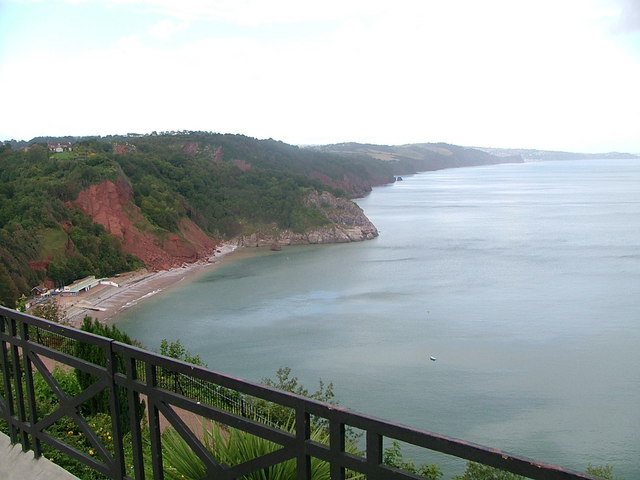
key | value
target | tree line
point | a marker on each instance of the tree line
(227, 184)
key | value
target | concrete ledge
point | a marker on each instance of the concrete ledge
(18, 465)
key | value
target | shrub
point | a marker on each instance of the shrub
(99, 403)
(393, 458)
(478, 471)
(231, 446)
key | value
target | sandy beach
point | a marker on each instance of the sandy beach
(105, 302)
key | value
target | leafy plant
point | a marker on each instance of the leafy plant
(99, 403)
(231, 446)
(478, 471)
(65, 428)
(46, 400)
(393, 457)
(49, 310)
(604, 471)
(176, 350)
(281, 415)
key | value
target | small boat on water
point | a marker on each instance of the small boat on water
(433, 359)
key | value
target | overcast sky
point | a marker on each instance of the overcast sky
(547, 74)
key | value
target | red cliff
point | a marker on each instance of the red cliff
(111, 205)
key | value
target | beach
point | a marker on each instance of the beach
(107, 300)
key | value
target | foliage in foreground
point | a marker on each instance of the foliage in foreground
(49, 310)
(478, 471)
(176, 350)
(99, 403)
(232, 447)
(394, 458)
(604, 471)
(228, 445)
(281, 415)
(66, 429)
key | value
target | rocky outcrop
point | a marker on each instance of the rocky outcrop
(111, 205)
(347, 223)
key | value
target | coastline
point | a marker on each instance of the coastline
(106, 302)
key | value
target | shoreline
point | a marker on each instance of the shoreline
(107, 302)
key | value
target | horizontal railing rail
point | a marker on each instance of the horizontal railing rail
(133, 376)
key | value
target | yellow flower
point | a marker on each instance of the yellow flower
(91, 452)
(70, 432)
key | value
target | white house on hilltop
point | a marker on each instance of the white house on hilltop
(59, 146)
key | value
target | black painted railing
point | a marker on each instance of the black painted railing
(28, 344)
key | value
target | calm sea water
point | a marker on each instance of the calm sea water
(523, 280)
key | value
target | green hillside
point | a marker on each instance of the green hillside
(419, 157)
(226, 184)
(221, 185)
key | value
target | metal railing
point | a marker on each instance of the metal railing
(130, 373)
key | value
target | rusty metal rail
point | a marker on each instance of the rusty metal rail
(22, 350)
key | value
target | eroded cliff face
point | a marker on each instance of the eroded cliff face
(111, 205)
(348, 224)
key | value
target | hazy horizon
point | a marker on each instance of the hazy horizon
(540, 74)
(478, 147)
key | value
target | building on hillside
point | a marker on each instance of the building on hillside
(60, 146)
(39, 290)
(78, 286)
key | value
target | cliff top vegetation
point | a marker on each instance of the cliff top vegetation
(62, 199)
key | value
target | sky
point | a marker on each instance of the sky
(545, 74)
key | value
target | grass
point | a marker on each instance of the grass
(53, 241)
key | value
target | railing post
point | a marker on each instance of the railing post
(7, 371)
(374, 454)
(31, 396)
(133, 397)
(116, 420)
(154, 424)
(303, 433)
(17, 382)
(337, 445)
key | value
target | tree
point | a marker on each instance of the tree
(176, 350)
(99, 403)
(284, 381)
(37, 153)
(21, 303)
(8, 291)
(478, 471)
(284, 416)
(603, 471)
(5, 146)
(393, 458)
(49, 311)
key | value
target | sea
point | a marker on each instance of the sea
(521, 280)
